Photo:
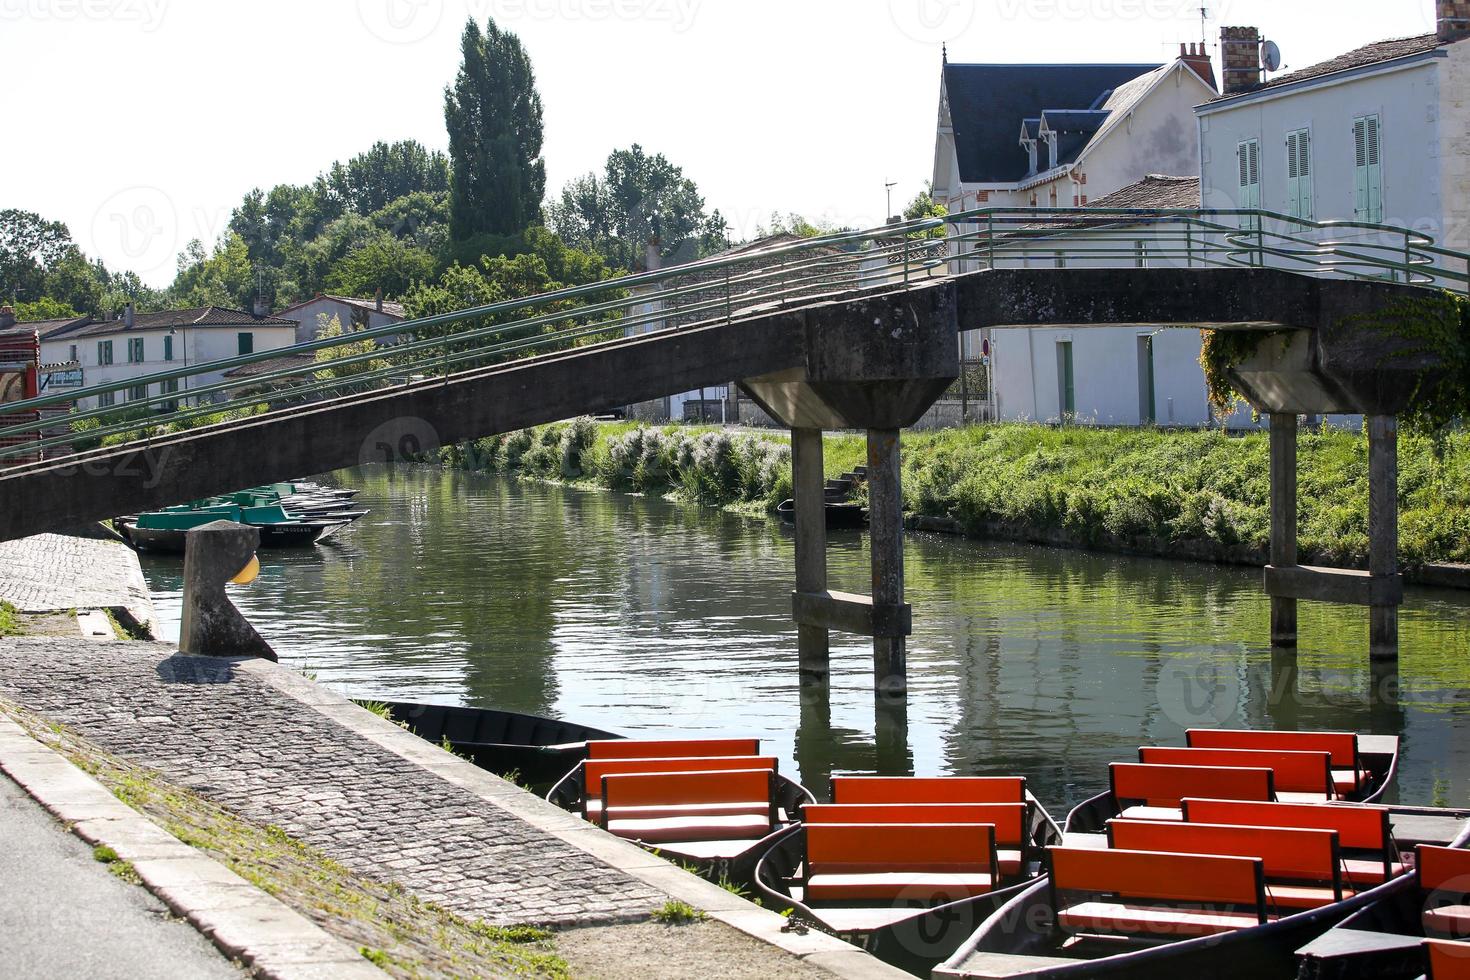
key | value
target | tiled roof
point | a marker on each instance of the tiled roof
(988, 104)
(205, 316)
(1154, 191)
(1369, 54)
(49, 328)
(273, 364)
(394, 310)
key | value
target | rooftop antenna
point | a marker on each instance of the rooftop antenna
(889, 186)
(1204, 25)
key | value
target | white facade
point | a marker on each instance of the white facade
(162, 349)
(1422, 177)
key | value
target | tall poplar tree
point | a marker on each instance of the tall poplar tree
(493, 114)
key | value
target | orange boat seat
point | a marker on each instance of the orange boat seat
(909, 863)
(679, 748)
(1010, 820)
(928, 789)
(1444, 875)
(1370, 856)
(669, 807)
(1300, 777)
(1146, 791)
(1448, 960)
(1348, 773)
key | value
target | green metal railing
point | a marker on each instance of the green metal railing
(433, 349)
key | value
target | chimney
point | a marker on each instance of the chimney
(1240, 53)
(262, 308)
(651, 258)
(378, 299)
(128, 316)
(1454, 19)
(1196, 57)
(7, 317)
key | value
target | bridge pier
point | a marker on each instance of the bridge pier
(807, 484)
(885, 528)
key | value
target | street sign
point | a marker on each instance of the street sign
(61, 378)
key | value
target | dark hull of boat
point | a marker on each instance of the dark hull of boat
(172, 541)
(738, 869)
(1024, 928)
(840, 517)
(917, 943)
(537, 751)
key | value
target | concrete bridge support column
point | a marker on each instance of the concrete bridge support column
(1383, 534)
(1283, 522)
(885, 525)
(808, 486)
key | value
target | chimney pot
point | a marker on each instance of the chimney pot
(7, 316)
(261, 307)
(1454, 19)
(1240, 53)
(1199, 59)
(378, 299)
(128, 316)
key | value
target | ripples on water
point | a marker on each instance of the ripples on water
(650, 618)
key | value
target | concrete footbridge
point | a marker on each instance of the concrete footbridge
(850, 331)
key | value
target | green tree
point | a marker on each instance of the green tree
(924, 206)
(75, 281)
(44, 308)
(382, 262)
(493, 114)
(371, 181)
(330, 328)
(29, 246)
(638, 198)
(222, 278)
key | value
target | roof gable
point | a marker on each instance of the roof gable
(989, 104)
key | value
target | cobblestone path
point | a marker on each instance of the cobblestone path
(49, 572)
(248, 746)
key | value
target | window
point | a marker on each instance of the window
(72, 356)
(135, 350)
(169, 387)
(1299, 174)
(105, 399)
(138, 393)
(246, 343)
(104, 352)
(168, 348)
(1066, 387)
(1369, 169)
(1140, 255)
(1249, 199)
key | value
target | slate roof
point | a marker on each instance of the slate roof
(1369, 54)
(989, 103)
(1075, 120)
(204, 316)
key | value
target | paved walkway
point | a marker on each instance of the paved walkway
(49, 572)
(65, 915)
(225, 733)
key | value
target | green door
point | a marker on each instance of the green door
(1148, 412)
(1068, 389)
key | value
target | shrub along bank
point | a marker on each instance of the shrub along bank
(1201, 494)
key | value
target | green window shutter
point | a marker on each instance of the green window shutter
(168, 348)
(1249, 198)
(247, 343)
(1375, 170)
(1368, 169)
(1299, 174)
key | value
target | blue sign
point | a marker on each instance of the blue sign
(63, 378)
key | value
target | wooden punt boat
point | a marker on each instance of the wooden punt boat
(1376, 768)
(915, 932)
(537, 751)
(713, 806)
(840, 516)
(1023, 938)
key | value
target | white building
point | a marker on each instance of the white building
(354, 314)
(134, 345)
(1380, 134)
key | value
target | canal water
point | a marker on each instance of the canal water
(656, 619)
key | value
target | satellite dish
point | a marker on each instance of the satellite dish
(1271, 56)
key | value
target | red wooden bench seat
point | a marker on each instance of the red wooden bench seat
(1302, 867)
(928, 789)
(1448, 960)
(1348, 773)
(674, 748)
(1369, 855)
(1153, 895)
(670, 807)
(1010, 820)
(1444, 875)
(1155, 792)
(920, 864)
(1298, 777)
(593, 771)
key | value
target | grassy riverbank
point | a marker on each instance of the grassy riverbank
(1200, 494)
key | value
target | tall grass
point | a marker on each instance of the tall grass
(1204, 492)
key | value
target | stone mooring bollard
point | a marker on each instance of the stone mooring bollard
(214, 554)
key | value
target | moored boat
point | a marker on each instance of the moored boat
(906, 868)
(840, 516)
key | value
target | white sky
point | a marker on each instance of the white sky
(140, 123)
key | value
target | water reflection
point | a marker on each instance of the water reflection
(645, 617)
